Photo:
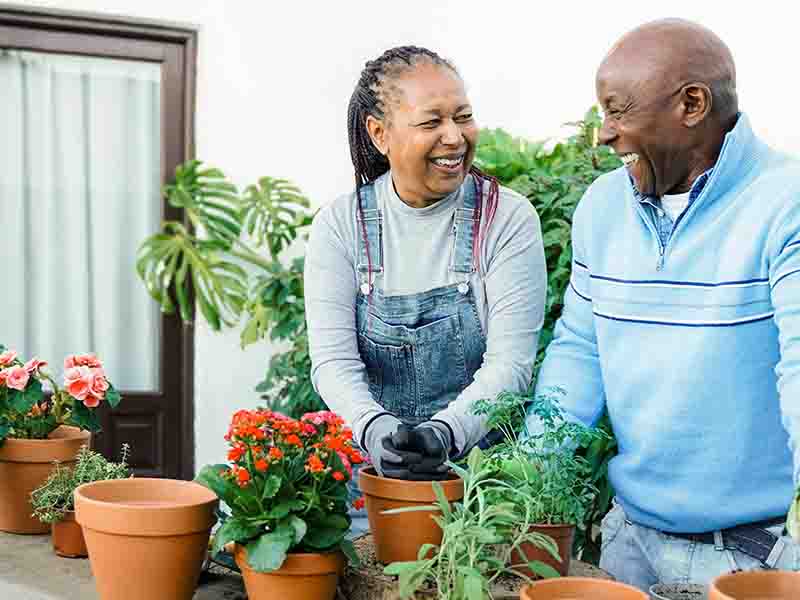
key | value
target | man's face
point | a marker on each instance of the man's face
(643, 124)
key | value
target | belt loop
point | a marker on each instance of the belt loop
(775, 554)
(719, 543)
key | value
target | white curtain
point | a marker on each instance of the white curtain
(79, 191)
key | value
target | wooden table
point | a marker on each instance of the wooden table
(369, 583)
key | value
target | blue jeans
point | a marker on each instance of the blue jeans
(642, 557)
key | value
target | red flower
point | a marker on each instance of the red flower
(235, 453)
(358, 503)
(261, 465)
(294, 440)
(314, 464)
(242, 477)
(276, 453)
(338, 476)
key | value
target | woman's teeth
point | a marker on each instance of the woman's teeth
(629, 159)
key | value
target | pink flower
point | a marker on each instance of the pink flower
(91, 401)
(3, 376)
(98, 386)
(17, 378)
(7, 357)
(34, 364)
(345, 462)
(78, 381)
(82, 360)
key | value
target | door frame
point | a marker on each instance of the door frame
(174, 46)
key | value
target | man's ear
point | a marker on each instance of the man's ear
(377, 130)
(696, 101)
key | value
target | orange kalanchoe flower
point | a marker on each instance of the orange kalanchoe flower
(261, 465)
(276, 453)
(242, 477)
(235, 453)
(358, 503)
(338, 476)
(314, 464)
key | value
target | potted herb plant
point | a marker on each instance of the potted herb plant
(543, 466)
(37, 430)
(286, 487)
(53, 502)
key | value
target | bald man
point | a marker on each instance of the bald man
(682, 318)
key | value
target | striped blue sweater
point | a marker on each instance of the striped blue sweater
(691, 343)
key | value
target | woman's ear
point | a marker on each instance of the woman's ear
(376, 128)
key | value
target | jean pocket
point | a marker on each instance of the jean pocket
(611, 525)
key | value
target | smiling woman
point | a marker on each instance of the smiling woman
(425, 287)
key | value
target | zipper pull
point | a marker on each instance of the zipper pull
(660, 264)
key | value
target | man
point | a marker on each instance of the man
(683, 316)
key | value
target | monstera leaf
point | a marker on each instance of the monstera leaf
(209, 200)
(272, 211)
(173, 263)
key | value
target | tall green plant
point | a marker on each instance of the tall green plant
(226, 260)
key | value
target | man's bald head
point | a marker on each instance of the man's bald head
(668, 90)
(674, 52)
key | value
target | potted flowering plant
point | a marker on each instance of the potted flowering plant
(38, 429)
(286, 487)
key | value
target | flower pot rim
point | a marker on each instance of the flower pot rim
(553, 525)
(591, 581)
(298, 563)
(83, 488)
(372, 484)
(61, 448)
(717, 585)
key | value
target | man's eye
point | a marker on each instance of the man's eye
(432, 124)
(465, 118)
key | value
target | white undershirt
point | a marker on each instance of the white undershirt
(675, 204)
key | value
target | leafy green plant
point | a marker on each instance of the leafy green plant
(54, 498)
(201, 262)
(481, 534)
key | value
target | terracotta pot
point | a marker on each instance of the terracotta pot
(580, 588)
(399, 537)
(24, 466)
(301, 577)
(68, 537)
(756, 585)
(147, 538)
(563, 535)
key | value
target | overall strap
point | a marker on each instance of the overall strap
(368, 236)
(465, 225)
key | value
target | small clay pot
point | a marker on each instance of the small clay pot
(300, 577)
(398, 537)
(756, 585)
(580, 588)
(678, 591)
(24, 466)
(563, 535)
(147, 538)
(68, 537)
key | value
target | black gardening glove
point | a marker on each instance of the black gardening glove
(423, 450)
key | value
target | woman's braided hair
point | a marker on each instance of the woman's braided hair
(374, 92)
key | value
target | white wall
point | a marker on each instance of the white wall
(275, 77)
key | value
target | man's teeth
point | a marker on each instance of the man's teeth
(449, 162)
(629, 159)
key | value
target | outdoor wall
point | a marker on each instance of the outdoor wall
(275, 77)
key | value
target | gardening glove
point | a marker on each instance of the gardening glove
(383, 455)
(423, 451)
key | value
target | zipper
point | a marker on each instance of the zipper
(649, 223)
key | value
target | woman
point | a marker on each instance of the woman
(424, 288)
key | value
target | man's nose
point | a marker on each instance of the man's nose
(607, 133)
(451, 134)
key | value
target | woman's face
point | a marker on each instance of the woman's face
(428, 134)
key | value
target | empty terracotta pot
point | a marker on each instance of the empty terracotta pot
(24, 466)
(68, 537)
(301, 577)
(563, 535)
(147, 538)
(399, 537)
(756, 585)
(580, 588)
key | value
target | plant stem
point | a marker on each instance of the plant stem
(250, 255)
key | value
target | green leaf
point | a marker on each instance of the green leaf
(299, 527)
(543, 570)
(234, 530)
(474, 586)
(271, 487)
(268, 552)
(444, 503)
(398, 568)
(112, 396)
(83, 417)
(282, 509)
(349, 550)
(324, 538)
(23, 401)
(210, 476)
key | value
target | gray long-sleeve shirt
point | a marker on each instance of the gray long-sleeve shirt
(509, 286)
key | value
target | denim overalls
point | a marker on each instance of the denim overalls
(420, 350)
